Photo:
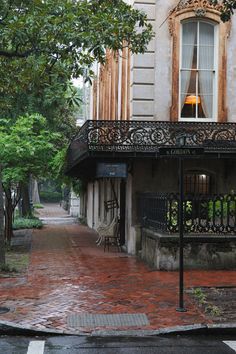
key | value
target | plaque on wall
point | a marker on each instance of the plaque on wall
(111, 170)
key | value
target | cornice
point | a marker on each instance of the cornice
(198, 8)
(196, 4)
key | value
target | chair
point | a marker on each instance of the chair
(113, 239)
(106, 230)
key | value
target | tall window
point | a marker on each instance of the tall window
(198, 71)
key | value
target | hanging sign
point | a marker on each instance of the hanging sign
(180, 151)
(111, 170)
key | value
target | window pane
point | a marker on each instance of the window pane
(206, 110)
(189, 57)
(206, 46)
(206, 58)
(197, 183)
(189, 45)
(206, 92)
(206, 34)
(188, 94)
(189, 33)
(188, 82)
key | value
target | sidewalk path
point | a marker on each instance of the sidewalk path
(54, 214)
(70, 275)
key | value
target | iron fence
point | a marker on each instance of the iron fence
(208, 214)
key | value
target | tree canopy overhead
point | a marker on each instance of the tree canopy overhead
(44, 43)
(227, 8)
(75, 32)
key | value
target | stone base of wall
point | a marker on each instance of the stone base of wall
(161, 251)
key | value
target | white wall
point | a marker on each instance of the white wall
(163, 61)
(143, 71)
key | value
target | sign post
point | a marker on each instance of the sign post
(181, 152)
(181, 307)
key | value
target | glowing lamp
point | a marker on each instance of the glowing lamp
(191, 99)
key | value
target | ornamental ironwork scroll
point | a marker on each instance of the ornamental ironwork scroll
(147, 136)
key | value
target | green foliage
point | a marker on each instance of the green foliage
(78, 186)
(25, 223)
(26, 147)
(213, 310)
(209, 209)
(50, 197)
(38, 206)
(223, 207)
(83, 221)
(6, 268)
(17, 260)
(43, 44)
(201, 297)
(227, 8)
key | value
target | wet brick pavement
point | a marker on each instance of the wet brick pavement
(69, 274)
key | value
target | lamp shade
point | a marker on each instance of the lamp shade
(191, 99)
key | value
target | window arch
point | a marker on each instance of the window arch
(197, 26)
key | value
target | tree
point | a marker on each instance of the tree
(227, 8)
(44, 43)
(2, 240)
(26, 148)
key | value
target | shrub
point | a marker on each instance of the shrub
(38, 206)
(24, 223)
(53, 197)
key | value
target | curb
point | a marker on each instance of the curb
(7, 327)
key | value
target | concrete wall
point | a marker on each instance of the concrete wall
(200, 252)
(143, 71)
(74, 205)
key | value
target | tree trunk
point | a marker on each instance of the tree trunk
(26, 207)
(35, 192)
(2, 240)
(8, 216)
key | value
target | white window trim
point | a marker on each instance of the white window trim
(216, 69)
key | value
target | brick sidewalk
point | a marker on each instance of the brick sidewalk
(69, 274)
(51, 210)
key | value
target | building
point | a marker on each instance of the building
(183, 89)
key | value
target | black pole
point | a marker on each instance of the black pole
(122, 210)
(181, 238)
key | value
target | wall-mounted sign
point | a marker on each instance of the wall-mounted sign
(180, 151)
(115, 170)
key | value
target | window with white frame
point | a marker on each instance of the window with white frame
(198, 78)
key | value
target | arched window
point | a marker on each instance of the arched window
(198, 68)
(199, 57)
(197, 183)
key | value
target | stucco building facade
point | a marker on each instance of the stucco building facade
(184, 85)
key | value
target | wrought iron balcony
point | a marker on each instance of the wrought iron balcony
(121, 137)
(208, 214)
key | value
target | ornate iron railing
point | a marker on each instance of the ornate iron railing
(148, 136)
(208, 214)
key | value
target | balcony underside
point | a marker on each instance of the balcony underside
(107, 140)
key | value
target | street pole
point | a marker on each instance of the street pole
(181, 238)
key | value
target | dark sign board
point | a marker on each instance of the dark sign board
(180, 151)
(111, 170)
